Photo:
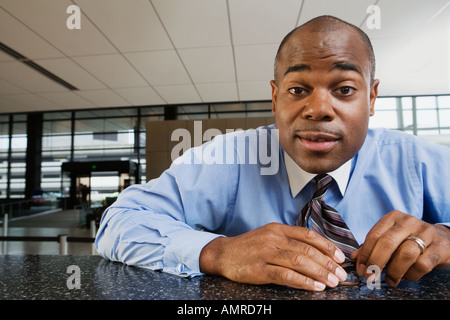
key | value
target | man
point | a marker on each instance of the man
(231, 220)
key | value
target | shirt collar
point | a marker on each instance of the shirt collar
(299, 178)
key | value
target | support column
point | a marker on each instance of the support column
(170, 113)
(34, 153)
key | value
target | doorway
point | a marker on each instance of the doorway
(94, 183)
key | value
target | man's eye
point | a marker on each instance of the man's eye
(296, 90)
(345, 91)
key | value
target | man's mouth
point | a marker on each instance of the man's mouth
(318, 141)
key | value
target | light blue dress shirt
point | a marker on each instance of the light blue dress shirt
(164, 224)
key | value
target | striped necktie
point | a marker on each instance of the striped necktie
(325, 220)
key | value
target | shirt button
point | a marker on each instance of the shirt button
(180, 268)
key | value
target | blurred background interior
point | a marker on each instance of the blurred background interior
(81, 109)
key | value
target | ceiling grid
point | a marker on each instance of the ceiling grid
(160, 52)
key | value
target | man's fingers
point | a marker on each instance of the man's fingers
(276, 253)
(307, 253)
(309, 261)
(405, 256)
(369, 244)
(381, 242)
(312, 238)
(388, 244)
(408, 246)
(287, 277)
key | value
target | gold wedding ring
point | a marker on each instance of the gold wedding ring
(419, 242)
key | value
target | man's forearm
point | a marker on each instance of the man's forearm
(151, 240)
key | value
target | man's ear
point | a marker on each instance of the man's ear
(373, 95)
(274, 95)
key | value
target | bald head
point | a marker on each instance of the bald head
(325, 25)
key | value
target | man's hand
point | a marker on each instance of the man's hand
(387, 242)
(276, 253)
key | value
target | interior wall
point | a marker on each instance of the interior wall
(159, 144)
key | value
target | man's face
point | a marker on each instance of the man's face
(322, 99)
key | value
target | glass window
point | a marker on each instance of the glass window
(20, 117)
(427, 132)
(408, 119)
(192, 116)
(17, 182)
(3, 176)
(56, 142)
(4, 143)
(384, 119)
(20, 128)
(19, 143)
(4, 128)
(427, 119)
(259, 106)
(385, 104)
(444, 117)
(106, 113)
(105, 125)
(192, 109)
(226, 115)
(406, 103)
(152, 111)
(228, 107)
(444, 102)
(57, 115)
(265, 114)
(104, 140)
(53, 127)
(426, 102)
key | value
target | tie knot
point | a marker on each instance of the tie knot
(323, 181)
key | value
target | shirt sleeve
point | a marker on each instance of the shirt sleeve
(433, 170)
(164, 224)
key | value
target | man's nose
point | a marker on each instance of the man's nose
(318, 107)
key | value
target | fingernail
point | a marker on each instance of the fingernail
(339, 256)
(319, 286)
(333, 280)
(341, 274)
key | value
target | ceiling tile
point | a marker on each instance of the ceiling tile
(402, 18)
(8, 88)
(6, 57)
(348, 10)
(17, 36)
(113, 70)
(178, 94)
(262, 21)
(217, 92)
(71, 72)
(209, 64)
(421, 64)
(195, 23)
(48, 19)
(255, 63)
(22, 76)
(140, 96)
(255, 90)
(131, 25)
(7, 105)
(68, 100)
(159, 67)
(32, 101)
(104, 98)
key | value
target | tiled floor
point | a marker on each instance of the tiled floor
(68, 222)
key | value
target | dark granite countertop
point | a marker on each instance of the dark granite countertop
(45, 277)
